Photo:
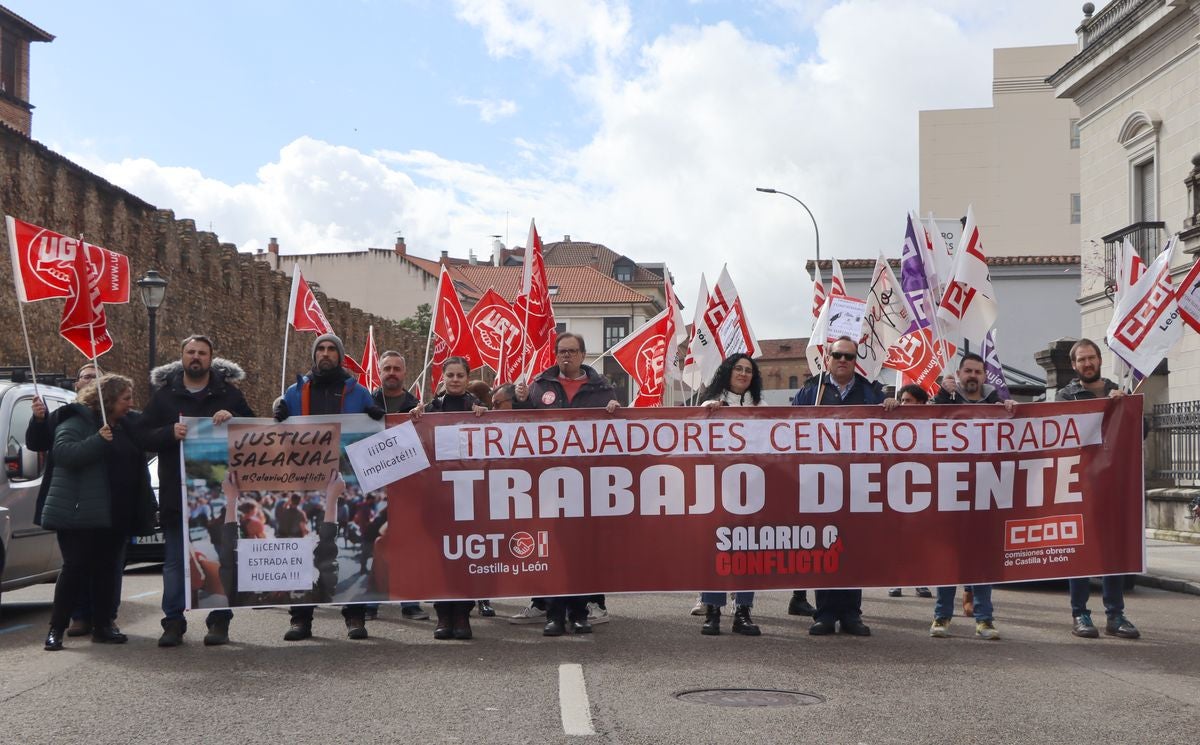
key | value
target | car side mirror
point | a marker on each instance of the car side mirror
(24, 466)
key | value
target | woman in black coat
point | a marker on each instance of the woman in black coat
(453, 616)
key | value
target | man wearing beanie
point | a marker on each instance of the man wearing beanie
(327, 389)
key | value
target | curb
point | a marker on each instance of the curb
(1169, 584)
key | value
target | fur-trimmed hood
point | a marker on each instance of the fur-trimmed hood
(231, 371)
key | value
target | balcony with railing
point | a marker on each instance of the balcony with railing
(1145, 237)
(1176, 445)
(1117, 14)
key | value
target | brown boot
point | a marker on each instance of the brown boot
(462, 621)
(444, 622)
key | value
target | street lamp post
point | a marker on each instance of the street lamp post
(153, 287)
(816, 230)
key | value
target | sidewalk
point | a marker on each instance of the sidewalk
(1172, 566)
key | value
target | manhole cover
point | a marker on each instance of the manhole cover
(745, 697)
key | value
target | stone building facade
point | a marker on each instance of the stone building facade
(241, 303)
(16, 34)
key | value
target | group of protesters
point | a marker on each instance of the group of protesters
(96, 490)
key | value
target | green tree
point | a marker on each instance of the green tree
(419, 323)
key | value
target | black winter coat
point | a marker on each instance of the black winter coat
(547, 393)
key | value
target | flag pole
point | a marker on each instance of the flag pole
(432, 321)
(28, 349)
(87, 289)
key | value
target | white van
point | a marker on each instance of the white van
(28, 554)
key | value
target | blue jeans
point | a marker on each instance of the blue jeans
(944, 607)
(174, 597)
(719, 599)
(1113, 593)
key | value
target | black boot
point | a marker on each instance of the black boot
(172, 635)
(443, 629)
(742, 623)
(799, 605)
(54, 639)
(712, 620)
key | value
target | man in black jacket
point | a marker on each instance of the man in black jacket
(569, 385)
(1086, 362)
(327, 389)
(198, 390)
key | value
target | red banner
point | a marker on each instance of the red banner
(520, 504)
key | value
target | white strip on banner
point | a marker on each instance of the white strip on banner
(558, 439)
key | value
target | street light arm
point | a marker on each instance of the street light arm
(816, 230)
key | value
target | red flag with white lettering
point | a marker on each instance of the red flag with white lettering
(642, 354)
(818, 291)
(919, 360)
(449, 329)
(496, 329)
(370, 377)
(533, 304)
(304, 312)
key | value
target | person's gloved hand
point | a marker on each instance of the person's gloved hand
(375, 412)
(280, 409)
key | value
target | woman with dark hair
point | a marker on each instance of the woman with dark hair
(99, 495)
(737, 382)
(453, 616)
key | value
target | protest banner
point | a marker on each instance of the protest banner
(267, 519)
(520, 504)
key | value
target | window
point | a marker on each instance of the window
(623, 271)
(615, 329)
(559, 328)
(793, 381)
(1074, 134)
(552, 290)
(8, 63)
(1076, 209)
(1144, 192)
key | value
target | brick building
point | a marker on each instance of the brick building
(16, 34)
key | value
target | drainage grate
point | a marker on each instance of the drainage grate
(748, 697)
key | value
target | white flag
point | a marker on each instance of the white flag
(886, 319)
(724, 325)
(1146, 323)
(698, 355)
(968, 307)
(837, 285)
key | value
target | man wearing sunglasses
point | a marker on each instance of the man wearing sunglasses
(840, 386)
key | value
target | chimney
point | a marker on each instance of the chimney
(400, 248)
(473, 260)
(273, 246)
(566, 239)
(445, 255)
(497, 250)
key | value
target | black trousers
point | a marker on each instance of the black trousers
(305, 612)
(567, 607)
(90, 559)
(838, 605)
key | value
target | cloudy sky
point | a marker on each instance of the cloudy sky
(643, 125)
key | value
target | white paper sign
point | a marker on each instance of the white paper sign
(387, 457)
(846, 317)
(275, 564)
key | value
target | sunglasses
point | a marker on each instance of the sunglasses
(844, 356)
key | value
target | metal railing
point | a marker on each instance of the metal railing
(1176, 449)
(1146, 238)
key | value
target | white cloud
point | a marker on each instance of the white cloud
(705, 115)
(490, 109)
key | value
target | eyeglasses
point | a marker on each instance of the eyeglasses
(745, 370)
(566, 352)
(844, 356)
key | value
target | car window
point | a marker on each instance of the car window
(18, 421)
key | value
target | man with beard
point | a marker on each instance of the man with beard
(967, 388)
(394, 398)
(197, 390)
(327, 389)
(841, 386)
(1086, 361)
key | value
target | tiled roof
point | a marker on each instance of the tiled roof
(782, 348)
(583, 253)
(1060, 260)
(576, 284)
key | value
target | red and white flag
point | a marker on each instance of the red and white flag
(1188, 295)
(533, 303)
(1130, 269)
(919, 359)
(837, 284)
(643, 354)
(676, 332)
(495, 328)
(697, 363)
(449, 330)
(818, 291)
(1146, 323)
(968, 307)
(304, 312)
(51, 265)
(724, 326)
(370, 378)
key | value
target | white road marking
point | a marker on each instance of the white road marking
(573, 701)
(144, 594)
(11, 629)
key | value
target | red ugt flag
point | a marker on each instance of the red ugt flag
(533, 304)
(370, 377)
(495, 328)
(643, 355)
(450, 333)
(304, 312)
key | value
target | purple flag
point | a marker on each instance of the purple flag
(993, 371)
(914, 279)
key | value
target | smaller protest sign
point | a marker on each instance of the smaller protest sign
(275, 564)
(387, 457)
(277, 457)
(846, 317)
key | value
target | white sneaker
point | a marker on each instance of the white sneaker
(596, 614)
(532, 614)
(698, 609)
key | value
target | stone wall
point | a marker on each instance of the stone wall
(239, 302)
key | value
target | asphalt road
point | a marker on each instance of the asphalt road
(1038, 684)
